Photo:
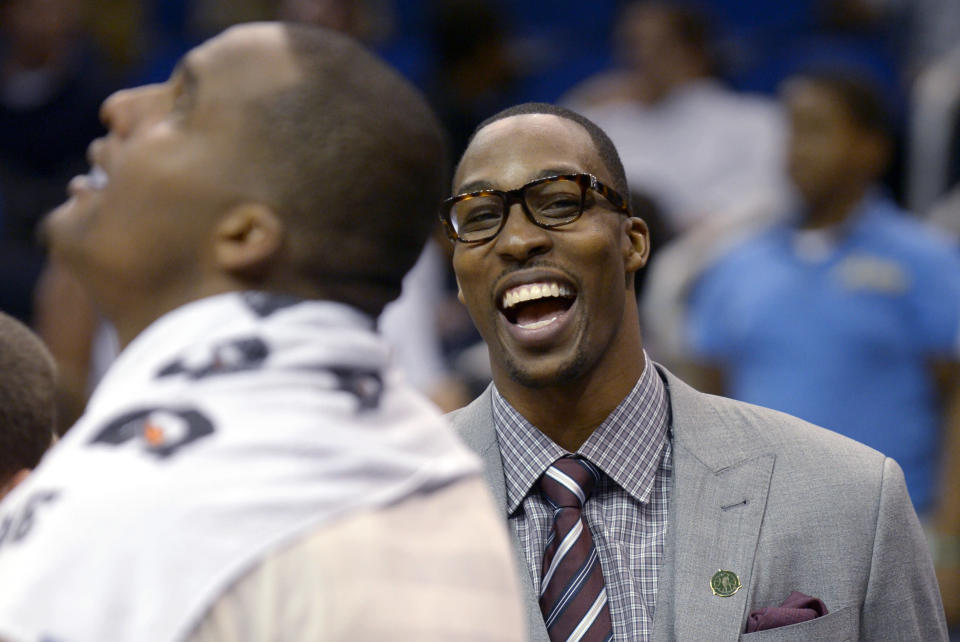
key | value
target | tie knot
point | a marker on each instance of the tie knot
(569, 481)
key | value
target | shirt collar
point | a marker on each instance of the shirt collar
(627, 446)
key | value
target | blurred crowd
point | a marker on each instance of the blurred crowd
(733, 118)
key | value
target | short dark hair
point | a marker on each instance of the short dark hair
(860, 97)
(604, 146)
(27, 398)
(356, 159)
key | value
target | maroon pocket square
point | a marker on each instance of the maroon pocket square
(793, 610)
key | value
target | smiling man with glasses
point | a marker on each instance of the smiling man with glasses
(641, 508)
(552, 201)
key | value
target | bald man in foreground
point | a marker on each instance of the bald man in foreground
(252, 467)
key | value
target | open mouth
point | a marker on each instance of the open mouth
(93, 181)
(537, 305)
(97, 178)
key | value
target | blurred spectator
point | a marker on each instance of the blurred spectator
(367, 20)
(697, 148)
(475, 73)
(934, 152)
(82, 343)
(27, 409)
(764, 42)
(51, 86)
(927, 29)
(849, 315)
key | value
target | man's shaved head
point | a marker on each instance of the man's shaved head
(355, 160)
(604, 146)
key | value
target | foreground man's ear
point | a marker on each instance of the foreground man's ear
(247, 238)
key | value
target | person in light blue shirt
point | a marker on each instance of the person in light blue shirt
(848, 315)
(839, 327)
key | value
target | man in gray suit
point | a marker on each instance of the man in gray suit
(641, 508)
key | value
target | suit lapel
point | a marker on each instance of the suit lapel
(718, 497)
(475, 426)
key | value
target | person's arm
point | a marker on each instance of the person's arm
(66, 321)
(946, 521)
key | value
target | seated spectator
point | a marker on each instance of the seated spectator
(849, 314)
(697, 148)
(27, 402)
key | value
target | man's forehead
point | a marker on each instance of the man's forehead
(525, 147)
(257, 50)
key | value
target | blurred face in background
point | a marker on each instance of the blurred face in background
(649, 43)
(39, 31)
(829, 153)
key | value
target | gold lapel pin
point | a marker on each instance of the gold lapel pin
(724, 583)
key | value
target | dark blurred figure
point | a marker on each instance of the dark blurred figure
(849, 315)
(763, 42)
(80, 341)
(475, 75)
(365, 20)
(51, 87)
(27, 407)
(933, 187)
(701, 150)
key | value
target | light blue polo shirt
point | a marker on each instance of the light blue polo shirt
(840, 330)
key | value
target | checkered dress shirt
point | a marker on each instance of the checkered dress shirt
(627, 512)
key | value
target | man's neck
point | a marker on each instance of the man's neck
(833, 210)
(569, 413)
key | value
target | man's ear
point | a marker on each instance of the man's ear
(636, 249)
(247, 238)
(12, 483)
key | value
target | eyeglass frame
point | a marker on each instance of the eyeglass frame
(584, 180)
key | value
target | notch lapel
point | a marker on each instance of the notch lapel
(718, 498)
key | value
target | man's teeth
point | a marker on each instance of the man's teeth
(537, 324)
(533, 291)
(97, 178)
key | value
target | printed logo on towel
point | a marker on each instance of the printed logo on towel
(365, 385)
(873, 274)
(15, 527)
(162, 432)
(264, 304)
(237, 355)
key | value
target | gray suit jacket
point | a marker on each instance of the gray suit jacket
(783, 504)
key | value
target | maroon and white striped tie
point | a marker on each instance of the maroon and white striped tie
(572, 594)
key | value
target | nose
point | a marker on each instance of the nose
(521, 240)
(123, 111)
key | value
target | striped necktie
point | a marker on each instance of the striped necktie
(572, 594)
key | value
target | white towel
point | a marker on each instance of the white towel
(228, 428)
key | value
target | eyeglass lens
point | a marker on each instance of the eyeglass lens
(550, 203)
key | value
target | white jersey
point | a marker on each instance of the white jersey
(229, 428)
